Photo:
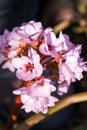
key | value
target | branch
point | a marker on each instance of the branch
(63, 25)
(31, 121)
(13, 113)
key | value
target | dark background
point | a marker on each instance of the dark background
(49, 12)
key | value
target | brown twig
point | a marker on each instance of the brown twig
(61, 26)
(31, 121)
(14, 113)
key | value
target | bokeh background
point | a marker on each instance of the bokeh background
(50, 13)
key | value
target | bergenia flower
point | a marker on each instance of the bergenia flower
(4, 46)
(28, 67)
(47, 47)
(26, 48)
(62, 88)
(3, 39)
(4, 50)
(37, 97)
(27, 31)
(32, 29)
(8, 65)
(52, 45)
(21, 37)
(71, 67)
(16, 43)
(2, 58)
(63, 43)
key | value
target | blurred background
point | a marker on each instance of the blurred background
(70, 16)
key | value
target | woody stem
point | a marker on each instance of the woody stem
(14, 112)
(36, 118)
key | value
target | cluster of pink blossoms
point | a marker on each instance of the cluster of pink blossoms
(27, 50)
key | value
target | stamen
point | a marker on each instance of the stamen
(29, 67)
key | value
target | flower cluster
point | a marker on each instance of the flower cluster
(36, 96)
(28, 51)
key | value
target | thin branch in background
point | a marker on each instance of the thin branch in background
(31, 121)
(61, 26)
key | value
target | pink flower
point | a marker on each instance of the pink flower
(32, 29)
(4, 50)
(17, 49)
(21, 37)
(2, 58)
(28, 68)
(18, 52)
(37, 97)
(47, 47)
(8, 65)
(4, 46)
(71, 67)
(63, 43)
(62, 88)
(27, 31)
(3, 39)
(16, 44)
(52, 45)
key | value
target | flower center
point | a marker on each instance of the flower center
(41, 83)
(24, 51)
(59, 57)
(29, 67)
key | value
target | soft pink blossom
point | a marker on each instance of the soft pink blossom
(32, 29)
(47, 47)
(71, 67)
(28, 67)
(53, 45)
(23, 36)
(2, 58)
(4, 48)
(8, 65)
(27, 31)
(3, 39)
(37, 97)
(62, 88)
(18, 52)
(63, 43)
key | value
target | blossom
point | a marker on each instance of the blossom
(26, 48)
(4, 50)
(27, 31)
(27, 67)
(21, 37)
(16, 44)
(3, 39)
(3, 46)
(71, 67)
(63, 43)
(37, 96)
(32, 29)
(8, 65)
(47, 47)
(62, 88)
(53, 45)
(2, 58)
